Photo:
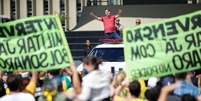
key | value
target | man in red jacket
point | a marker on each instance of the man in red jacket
(109, 20)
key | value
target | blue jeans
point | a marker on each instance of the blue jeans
(113, 35)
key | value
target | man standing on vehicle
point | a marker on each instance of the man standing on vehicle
(108, 20)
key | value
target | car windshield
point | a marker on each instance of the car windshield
(108, 54)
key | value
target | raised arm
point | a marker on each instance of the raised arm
(166, 90)
(119, 13)
(75, 79)
(31, 87)
(96, 17)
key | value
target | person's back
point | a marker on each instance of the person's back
(14, 83)
(95, 85)
(185, 87)
(137, 99)
(99, 85)
(18, 97)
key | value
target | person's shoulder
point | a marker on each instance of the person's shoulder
(114, 16)
(86, 77)
(138, 99)
(27, 96)
(118, 98)
(91, 76)
(102, 17)
(5, 98)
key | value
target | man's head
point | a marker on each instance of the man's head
(137, 21)
(107, 12)
(14, 82)
(88, 43)
(134, 88)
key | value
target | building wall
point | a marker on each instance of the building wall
(55, 7)
(72, 9)
(6, 7)
(23, 8)
(38, 9)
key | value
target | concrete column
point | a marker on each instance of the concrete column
(39, 7)
(82, 4)
(72, 9)
(23, 8)
(55, 7)
(1, 13)
(6, 8)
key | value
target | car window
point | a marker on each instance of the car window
(108, 54)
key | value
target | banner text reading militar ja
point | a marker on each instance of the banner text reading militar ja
(36, 43)
(167, 47)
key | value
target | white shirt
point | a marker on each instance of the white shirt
(18, 97)
(96, 86)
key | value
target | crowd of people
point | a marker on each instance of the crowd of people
(67, 84)
(70, 85)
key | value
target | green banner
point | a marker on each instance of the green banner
(35, 43)
(167, 47)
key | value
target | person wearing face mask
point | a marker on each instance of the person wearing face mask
(96, 84)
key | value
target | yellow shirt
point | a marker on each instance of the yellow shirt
(31, 87)
(137, 99)
(117, 98)
(7, 91)
(142, 89)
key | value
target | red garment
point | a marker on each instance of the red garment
(109, 23)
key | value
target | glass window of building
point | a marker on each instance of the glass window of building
(29, 8)
(62, 6)
(13, 5)
(62, 12)
(79, 6)
(114, 2)
(45, 7)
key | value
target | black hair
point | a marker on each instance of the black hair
(134, 88)
(107, 9)
(152, 94)
(188, 97)
(54, 72)
(2, 88)
(92, 60)
(180, 76)
(14, 82)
